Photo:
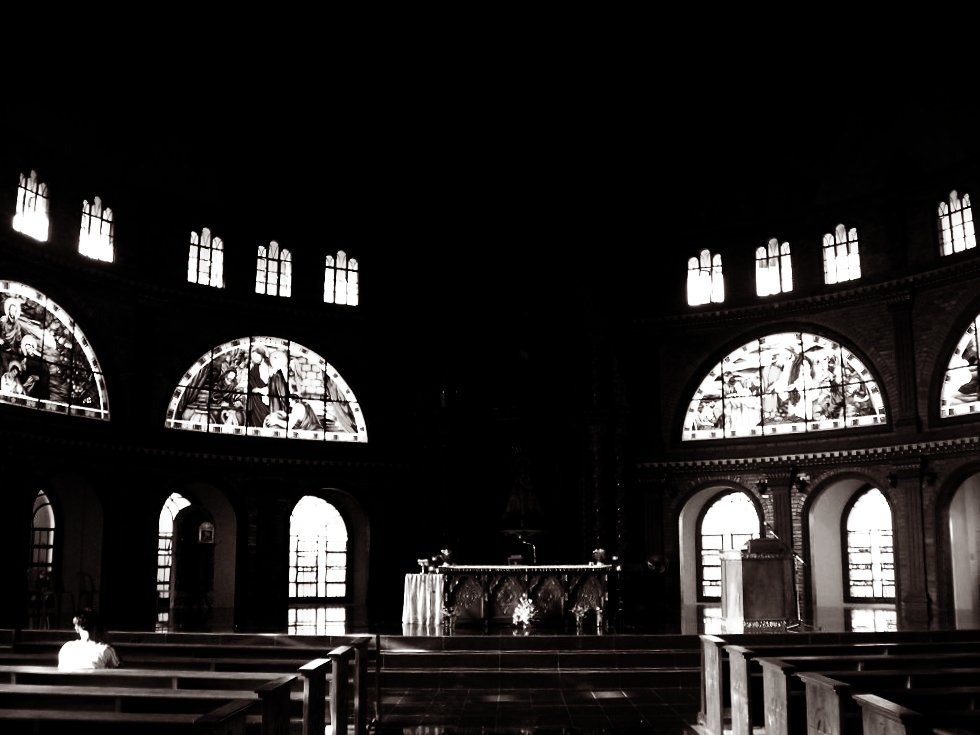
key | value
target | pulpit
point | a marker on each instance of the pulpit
(489, 593)
(757, 589)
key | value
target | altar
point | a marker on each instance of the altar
(489, 593)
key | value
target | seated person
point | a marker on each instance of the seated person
(90, 651)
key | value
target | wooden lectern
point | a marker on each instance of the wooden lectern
(757, 588)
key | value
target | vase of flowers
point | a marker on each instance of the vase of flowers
(524, 612)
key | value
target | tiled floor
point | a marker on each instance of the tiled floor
(666, 711)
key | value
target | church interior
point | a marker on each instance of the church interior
(268, 373)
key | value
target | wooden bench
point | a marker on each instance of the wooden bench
(746, 678)
(324, 681)
(228, 718)
(715, 664)
(933, 716)
(784, 692)
(831, 709)
(218, 653)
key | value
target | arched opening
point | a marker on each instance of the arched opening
(964, 544)
(850, 554)
(41, 593)
(712, 521)
(165, 557)
(318, 584)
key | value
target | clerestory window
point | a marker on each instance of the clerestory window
(841, 257)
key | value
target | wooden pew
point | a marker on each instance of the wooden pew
(228, 718)
(831, 709)
(746, 678)
(881, 715)
(715, 674)
(217, 653)
(784, 693)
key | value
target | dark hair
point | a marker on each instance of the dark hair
(89, 620)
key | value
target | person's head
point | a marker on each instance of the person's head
(88, 625)
(29, 346)
(12, 308)
(14, 368)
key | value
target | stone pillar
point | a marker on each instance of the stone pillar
(914, 608)
(905, 415)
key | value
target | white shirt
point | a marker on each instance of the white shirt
(87, 655)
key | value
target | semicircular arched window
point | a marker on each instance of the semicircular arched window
(47, 362)
(960, 383)
(784, 383)
(264, 386)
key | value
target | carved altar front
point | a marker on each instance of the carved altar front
(489, 593)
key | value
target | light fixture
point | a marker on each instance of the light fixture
(802, 481)
(762, 485)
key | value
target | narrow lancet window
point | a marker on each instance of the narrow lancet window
(31, 215)
(274, 271)
(841, 258)
(773, 269)
(956, 224)
(705, 282)
(95, 239)
(340, 284)
(205, 261)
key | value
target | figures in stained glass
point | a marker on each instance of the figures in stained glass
(46, 361)
(782, 383)
(263, 386)
(960, 395)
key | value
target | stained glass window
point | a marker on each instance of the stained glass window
(956, 224)
(31, 213)
(773, 269)
(959, 394)
(274, 271)
(705, 282)
(265, 386)
(340, 280)
(205, 260)
(47, 362)
(95, 239)
(784, 383)
(841, 258)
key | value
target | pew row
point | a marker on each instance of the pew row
(716, 682)
(784, 692)
(832, 710)
(746, 675)
(306, 695)
(880, 715)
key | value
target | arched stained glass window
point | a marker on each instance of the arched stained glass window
(841, 258)
(956, 224)
(274, 271)
(870, 552)
(205, 260)
(960, 384)
(47, 362)
(31, 214)
(96, 237)
(340, 280)
(705, 282)
(264, 386)
(773, 269)
(165, 557)
(784, 383)
(317, 567)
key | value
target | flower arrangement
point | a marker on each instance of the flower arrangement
(580, 610)
(524, 611)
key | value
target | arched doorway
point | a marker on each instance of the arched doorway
(964, 544)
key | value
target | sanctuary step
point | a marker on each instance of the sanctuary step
(540, 661)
